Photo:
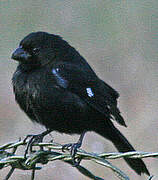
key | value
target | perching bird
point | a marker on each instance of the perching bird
(56, 87)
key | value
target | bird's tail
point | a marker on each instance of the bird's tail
(121, 143)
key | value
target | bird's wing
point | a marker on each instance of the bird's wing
(89, 88)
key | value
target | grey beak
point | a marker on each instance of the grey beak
(20, 55)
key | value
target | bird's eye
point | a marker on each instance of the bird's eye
(35, 50)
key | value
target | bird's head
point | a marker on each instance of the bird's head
(39, 48)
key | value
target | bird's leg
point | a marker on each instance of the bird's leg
(74, 147)
(34, 138)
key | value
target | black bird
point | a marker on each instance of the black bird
(56, 87)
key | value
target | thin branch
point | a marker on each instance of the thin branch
(53, 151)
(9, 174)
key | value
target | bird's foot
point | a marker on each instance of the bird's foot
(34, 138)
(73, 147)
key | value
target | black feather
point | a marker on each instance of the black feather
(56, 87)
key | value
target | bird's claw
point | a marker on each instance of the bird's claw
(73, 150)
(33, 140)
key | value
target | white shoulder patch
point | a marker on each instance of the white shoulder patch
(89, 92)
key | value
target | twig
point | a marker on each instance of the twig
(9, 174)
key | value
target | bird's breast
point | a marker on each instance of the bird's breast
(47, 103)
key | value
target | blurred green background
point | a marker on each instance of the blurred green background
(120, 41)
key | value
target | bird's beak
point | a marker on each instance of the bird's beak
(20, 55)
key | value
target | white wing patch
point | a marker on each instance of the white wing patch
(89, 92)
